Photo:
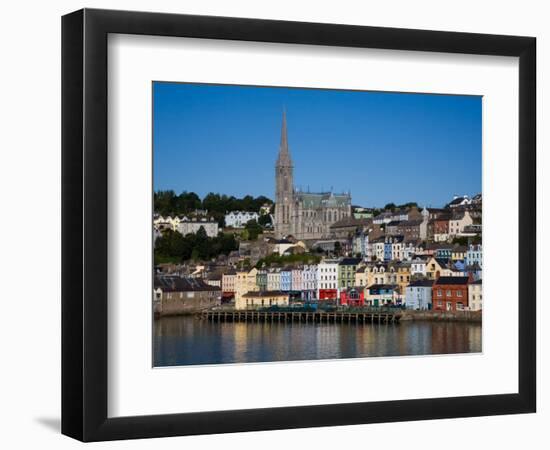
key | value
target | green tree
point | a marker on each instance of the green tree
(164, 202)
(265, 220)
(254, 229)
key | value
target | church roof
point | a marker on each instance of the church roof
(314, 200)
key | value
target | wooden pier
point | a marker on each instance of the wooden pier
(254, 316)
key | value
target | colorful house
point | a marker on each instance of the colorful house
(346, 272)
(228, 283)
(261, 280)
(458, 253)
(327, 279)
(297, 279)
(309, 282)
(450, 293)
(354, 296)
(286, 279)
(382, 295)
(361, 276)
(444, 252)
(264, 299)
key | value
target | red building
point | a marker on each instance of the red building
(328, 294)
(450, 293)
(441, 225)
(353, 297)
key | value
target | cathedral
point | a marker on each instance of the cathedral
(304, 215)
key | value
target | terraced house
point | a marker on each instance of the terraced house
(346, 272)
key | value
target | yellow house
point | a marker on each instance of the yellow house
(245, 281)
(241, 287)
(402, 275)
(251, 280)
(436, 268)
(377, 273)
(263, 299)
(361, 276)
(459, 253)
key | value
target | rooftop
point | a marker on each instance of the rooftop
(172, 283)
(421, 283)
(452, 280)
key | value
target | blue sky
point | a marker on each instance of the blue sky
(384, 147)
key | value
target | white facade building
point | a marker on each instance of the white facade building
(309, 280)
(457, 223)
(418, 295)
(475, 296)
(474, 255)
(378, 249)
(418, 266)
(327, 275)
(274, 280)
(238, 219)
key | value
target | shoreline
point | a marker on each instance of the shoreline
(404, 315)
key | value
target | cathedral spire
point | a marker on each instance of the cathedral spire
(284, 153)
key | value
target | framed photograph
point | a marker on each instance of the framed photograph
(273, 224)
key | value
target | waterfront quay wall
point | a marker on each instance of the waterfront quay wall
(266, 316)
(442, 316)
(185, 306)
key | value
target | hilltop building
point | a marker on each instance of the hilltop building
(304, 215)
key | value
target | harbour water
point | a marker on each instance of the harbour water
(186, 340)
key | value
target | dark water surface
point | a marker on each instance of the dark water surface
(186, 340)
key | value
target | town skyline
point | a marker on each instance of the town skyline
(240, 156)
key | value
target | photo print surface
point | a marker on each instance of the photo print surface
(314, 224)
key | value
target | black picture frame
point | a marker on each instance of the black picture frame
(84, 224)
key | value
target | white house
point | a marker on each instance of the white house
(238, 219)
(418, 266)
(410, 249)
(463, 200)
(475, 296)
(167, 222)
(327, 275)
(458, 222)
(418, 294)
(378, 249)
(474, 255)
(309, 281)
(274, 279)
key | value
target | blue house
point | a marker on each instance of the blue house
(286, 279)
(387, 250)
(444, 252)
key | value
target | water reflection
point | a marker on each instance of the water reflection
(189, 341)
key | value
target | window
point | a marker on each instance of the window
(449, 293)
(459, 293)
(439, 293)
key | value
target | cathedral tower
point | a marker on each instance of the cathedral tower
(284, 187)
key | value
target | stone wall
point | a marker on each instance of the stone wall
(180, 303)
(442, 316)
